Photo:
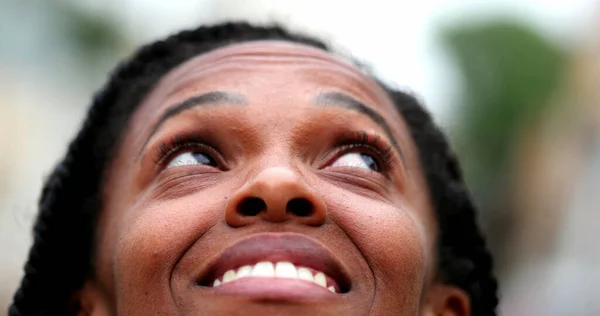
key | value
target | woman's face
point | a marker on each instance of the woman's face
(265, 178)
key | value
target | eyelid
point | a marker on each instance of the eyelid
(374, 145)
(168, 150)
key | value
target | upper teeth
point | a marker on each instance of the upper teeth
(283, 269)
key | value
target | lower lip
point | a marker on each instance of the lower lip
(275, 289)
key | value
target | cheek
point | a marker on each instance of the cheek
(151, 241)
(391, 241)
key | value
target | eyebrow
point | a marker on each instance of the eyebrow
(346, 101)
(323, 99)
(207, 99)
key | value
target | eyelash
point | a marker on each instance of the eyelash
(178, 143)
(381, 151)
(349, 142)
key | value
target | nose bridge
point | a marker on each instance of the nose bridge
(276, 194)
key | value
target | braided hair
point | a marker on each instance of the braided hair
(62, 255)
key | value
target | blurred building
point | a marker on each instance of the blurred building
(554, 248)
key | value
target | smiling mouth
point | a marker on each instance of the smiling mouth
(279, 270)
(276, 266)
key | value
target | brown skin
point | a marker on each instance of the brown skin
(161, 226)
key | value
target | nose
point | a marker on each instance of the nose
(276, 194)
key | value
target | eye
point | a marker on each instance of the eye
(192, 158)
(357, 160)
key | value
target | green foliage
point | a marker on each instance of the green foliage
(93, 35)
(510, 73)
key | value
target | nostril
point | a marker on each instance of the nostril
(252, 206)
(300, 207)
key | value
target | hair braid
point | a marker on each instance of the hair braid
(67, 214)
(463, 257)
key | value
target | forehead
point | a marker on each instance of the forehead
(291, 66)
(269, 55)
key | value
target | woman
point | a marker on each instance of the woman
(241, 170)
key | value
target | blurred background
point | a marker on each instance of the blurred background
(516, 84)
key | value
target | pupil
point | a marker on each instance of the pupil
(204, 159)
(370, 162)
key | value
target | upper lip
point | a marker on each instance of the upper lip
(275, 247)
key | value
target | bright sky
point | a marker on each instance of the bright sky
(397, 38)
